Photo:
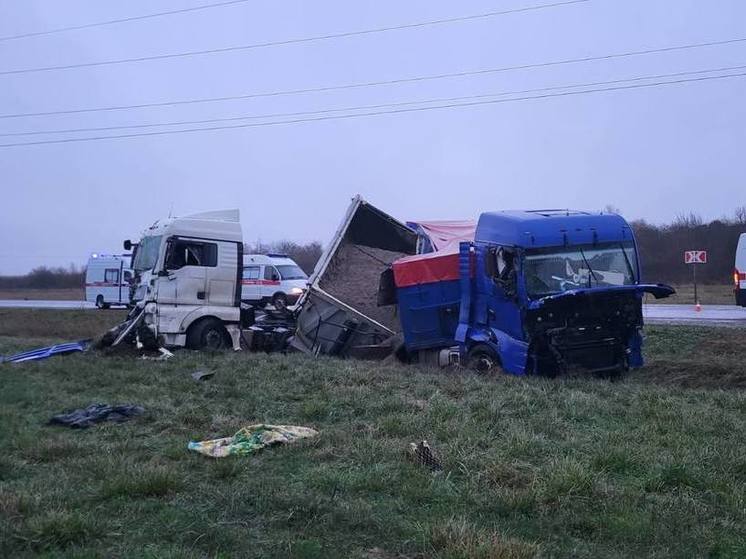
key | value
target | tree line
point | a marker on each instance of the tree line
(662, 248)
(46, 278)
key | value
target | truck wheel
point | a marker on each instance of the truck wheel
(100, 302)
(280, 301)
(483, 359)
(209, 334)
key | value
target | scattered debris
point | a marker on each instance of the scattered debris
(202, 375)
(96, 413)
(250, 439)
(422, 454)
(44, 352)
(164, 354)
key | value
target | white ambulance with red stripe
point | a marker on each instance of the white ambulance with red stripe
(272, 278)
(739, 273)
(107, 280)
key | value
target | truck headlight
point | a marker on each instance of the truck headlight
(296, 291)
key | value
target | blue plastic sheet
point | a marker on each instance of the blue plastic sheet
(45, 352)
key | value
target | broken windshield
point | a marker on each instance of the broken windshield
(147, 253)
(555, 270)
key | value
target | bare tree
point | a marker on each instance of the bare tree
(687, 221)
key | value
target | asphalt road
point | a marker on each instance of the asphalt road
(713, 315)
(29, 304)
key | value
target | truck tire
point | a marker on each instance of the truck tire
(208, 334)
(280, 301)
(100, 302)
(483, 359)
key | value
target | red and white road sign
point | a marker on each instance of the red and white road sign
(695, 257)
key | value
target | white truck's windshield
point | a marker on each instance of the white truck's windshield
(147, 253)
(555, 270)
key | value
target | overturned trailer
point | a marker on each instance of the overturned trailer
(339, 313)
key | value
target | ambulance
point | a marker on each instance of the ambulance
(107, 280)
(272, 278)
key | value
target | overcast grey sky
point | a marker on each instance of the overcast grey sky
(652, 152)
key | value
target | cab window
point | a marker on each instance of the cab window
(251, 273)
(271, 273)
(184, 252)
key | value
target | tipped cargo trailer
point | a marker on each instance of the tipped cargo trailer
(339, 313)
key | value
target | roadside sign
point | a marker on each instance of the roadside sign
(695, 257)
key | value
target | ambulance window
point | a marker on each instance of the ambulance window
(127, 276)
(111, 275)
(271, 273)
(251, 272)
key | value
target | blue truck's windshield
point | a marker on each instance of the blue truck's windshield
(555, 270)
(147, 253)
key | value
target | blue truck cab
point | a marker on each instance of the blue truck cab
(539, 292)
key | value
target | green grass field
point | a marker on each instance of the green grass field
(653, 465)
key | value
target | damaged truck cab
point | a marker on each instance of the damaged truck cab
(538, 292)
(187, 288)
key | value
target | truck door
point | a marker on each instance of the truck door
(186, 264)
(500, 288)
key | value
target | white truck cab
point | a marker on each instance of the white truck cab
(188, 281)
(274, 278)
(739, 272)
(107, 279)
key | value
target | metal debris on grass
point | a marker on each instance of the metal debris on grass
(202, 375)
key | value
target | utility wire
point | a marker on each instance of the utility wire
(430, 77)
(291, 41)
(121, 20)
(377, 113)
(379, 106)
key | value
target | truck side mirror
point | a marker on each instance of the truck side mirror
(127, 245)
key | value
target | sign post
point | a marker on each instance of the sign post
(695, 257)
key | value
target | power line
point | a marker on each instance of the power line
(378, 106)
(121, 20)
(291, 41)
(375, 113)
(430, 77)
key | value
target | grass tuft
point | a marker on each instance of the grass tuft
(458, 539)
(141, 481)
(60, 529)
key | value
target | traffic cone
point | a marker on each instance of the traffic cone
(698, 307)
